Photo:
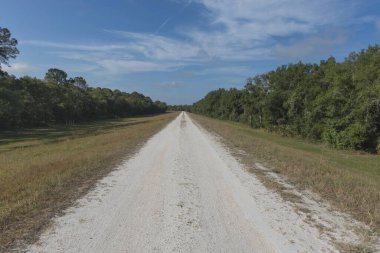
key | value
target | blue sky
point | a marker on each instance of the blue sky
(178, 50)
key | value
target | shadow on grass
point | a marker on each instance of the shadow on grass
(22, 138)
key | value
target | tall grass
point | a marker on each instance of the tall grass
(42, 171)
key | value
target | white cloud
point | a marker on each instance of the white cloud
(19, 68)
(235, 70)
(130, 66)
(247, 29)
(160, 48)
(377, 24)
(139, 53)
(95, 47)
(309, 46)
(172, 85)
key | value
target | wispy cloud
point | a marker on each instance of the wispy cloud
(248, 29)
(166, 21)
(130, 66)
(19, 68)
(172, 85)
(163, 24)
(238, 31)
(139, 53)
(218, 70)
(84, 47)
(160, 48)
(310, 46)
(377, 25)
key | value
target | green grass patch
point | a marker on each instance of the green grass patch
(22, 138)
(355, 161)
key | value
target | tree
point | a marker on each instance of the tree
(56, 75)
(80, 82)
(160, 106)
(7, 47)
(254, 100)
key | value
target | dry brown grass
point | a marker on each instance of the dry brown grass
(349, 180)
(42, 174)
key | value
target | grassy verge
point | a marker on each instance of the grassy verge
(349, 180)
(42, 171)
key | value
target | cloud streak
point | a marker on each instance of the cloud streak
(19, 68)
(172, 85)
(309, 46)
(377, 25)
(163, 24)
(81, 47)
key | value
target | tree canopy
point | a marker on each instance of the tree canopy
(28, 101)
(56, 75)
(337, 103)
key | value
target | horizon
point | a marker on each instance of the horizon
(183, 48)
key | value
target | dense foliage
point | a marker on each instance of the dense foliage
(28, 101)
(335, 102)
(177, 108)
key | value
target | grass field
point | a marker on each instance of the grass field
(349, 180)
(44, 170)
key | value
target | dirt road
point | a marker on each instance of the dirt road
(182, 192)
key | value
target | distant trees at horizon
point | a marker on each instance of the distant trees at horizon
(179, 108)
(27, 101)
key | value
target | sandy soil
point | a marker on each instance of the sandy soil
(182, 192)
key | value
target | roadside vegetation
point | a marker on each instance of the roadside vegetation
(43, 170)
(337, 103)
(350, 180)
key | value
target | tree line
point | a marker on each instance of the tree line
(334, 102)
(27, 101)
(178, 108)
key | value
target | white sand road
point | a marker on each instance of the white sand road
(182, 192)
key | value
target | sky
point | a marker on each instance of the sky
(178, 50)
